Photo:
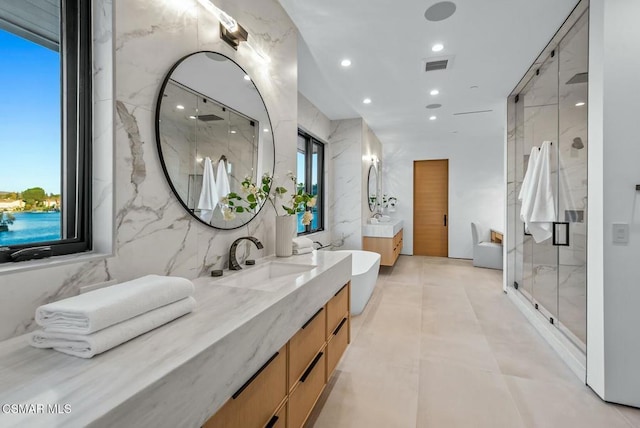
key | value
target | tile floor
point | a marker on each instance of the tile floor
(440, 345)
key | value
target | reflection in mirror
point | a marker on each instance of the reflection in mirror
(213, 130)
(372, 187)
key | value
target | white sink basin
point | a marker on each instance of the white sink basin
(382, 230)
(269, 276)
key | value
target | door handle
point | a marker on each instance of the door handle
(445, 220)
(560, 241)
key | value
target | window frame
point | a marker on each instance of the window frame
(310, 142)
(76, 107)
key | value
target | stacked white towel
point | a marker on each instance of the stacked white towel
(302, 245)
(91, 323)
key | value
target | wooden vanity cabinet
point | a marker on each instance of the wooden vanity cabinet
(388, 248)
(305, 345)
(254, 404)
(285, 390)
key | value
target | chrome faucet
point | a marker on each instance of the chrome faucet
(376, 215)
(233, 262)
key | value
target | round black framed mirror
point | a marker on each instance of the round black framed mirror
(213, 132)
(372, 187)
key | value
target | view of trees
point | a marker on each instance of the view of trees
(35, 199)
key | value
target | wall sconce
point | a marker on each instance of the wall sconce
(230, 31)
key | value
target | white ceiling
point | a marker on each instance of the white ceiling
(493, 43)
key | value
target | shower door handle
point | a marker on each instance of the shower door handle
(558, 239)
(445, 220)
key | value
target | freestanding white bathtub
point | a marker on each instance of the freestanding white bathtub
(364, 274)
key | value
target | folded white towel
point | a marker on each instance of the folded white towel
(86, 346)
(302, 250)
(302, 242)
(93, 311)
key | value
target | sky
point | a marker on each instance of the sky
(29, 115)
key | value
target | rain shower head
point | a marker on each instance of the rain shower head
(577, 143)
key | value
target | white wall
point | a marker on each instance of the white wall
(476, 185)
(614, 171)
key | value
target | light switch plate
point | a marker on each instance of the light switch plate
(620, 233)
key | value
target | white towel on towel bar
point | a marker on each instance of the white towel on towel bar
(526, 192)
(209, 194)
(89, 345)
(98, 309)
(222, 180)
(542, 212)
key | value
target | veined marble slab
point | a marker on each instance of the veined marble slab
(179, 374)
(382, 230)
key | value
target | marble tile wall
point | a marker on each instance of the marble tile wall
(346, 142)
(151, 231)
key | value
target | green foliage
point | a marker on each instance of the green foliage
(256, 194)
(34, 194)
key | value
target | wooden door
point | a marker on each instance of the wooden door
(431, 208)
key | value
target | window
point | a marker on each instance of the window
(311, 176)
(45, 126)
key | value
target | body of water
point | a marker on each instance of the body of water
(32, 227)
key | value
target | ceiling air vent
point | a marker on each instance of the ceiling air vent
(209, 117)
(436, 65)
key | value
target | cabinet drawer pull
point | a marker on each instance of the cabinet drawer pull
(272, 422)
(344, 320)
(338, 292)
(308, 371)
(255, 375)
(312, 318)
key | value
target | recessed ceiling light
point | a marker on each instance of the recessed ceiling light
(432, 118)
(266, 129)
(192, 117)
(345, 62)
(440, 11)
(434, 92)
(437, 47)
(233, 132)
(180, 107)
(247, 77)
(366, 101)
(580, 104)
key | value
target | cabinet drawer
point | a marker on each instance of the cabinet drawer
(337, 345)
(306, 393)
(336, 308)
(304, 346)
(279, 420)
(256, 401)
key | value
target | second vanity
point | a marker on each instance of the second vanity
(385, 239)
(265, 348)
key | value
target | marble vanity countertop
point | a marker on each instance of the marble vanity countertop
(177, 375)
(382, 230)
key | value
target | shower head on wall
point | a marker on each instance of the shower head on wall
(577, 143)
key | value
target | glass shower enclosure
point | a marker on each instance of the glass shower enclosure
(550, 104)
